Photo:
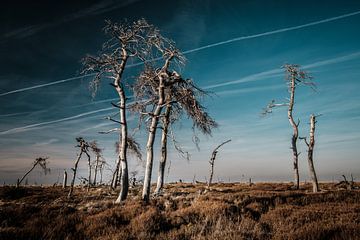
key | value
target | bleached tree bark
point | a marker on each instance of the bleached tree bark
(151, 137)
(294, 76)
(212, 161)
(65, 179)
(124, 180)
(162, 163)
(295, 132)
(89, 171)
(311, 145)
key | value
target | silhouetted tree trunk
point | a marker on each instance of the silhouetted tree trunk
(212, 161)
(38, 161)
(74, 175)
(96, 169)
(162, 163)
(89, 175)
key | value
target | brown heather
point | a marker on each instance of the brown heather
(185, 211)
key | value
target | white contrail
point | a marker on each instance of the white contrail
(276, 72)
(31, 126)
(202, 48)
(273, 32)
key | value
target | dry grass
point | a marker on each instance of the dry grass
(185, 211)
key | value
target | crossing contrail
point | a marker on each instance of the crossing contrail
(201, 48)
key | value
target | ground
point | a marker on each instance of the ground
(183, 211)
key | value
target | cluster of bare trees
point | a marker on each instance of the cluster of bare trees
(161, 94)
(294, 76)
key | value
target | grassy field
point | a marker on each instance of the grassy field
(184, 211)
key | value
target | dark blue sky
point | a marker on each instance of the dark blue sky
(246, 42)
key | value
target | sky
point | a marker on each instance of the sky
(234, 49)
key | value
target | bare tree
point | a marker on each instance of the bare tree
(126, 41)
(94, 146)
(212, 161)
(311, 145)
(84, 148)
(42, 162)
(294, 76)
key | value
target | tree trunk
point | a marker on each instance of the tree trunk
(96, 169)
(212, 161)
(89, 179)
(19, 182)
(310, 154)
(74, 175)
(114, 181)
(123, 149)
(295, 134)
(65, 180)
(150, 142)
(162, 164)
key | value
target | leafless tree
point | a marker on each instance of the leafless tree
(84, 148)
(293, 76)
(212, 161)
(160, 88)
(311, 145)
(126, 41)
(42, 162)
(94, 146)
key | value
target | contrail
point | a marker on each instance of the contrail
(202, 48)
(276, 72)
(273, 32)
(29, 127)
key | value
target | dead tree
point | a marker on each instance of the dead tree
(127, 41)
(294, 76)
(42, 162)
(65, 179)
(98, 156)
(84, 148)
(311, 145)
(212, 161)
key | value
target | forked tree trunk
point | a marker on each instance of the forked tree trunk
(124, 179)
(74, 175)
(295, 133)
(150, 142)
(162, 163)
(65, 179)
(311, 153)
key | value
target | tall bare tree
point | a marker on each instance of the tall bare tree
(127, 41)
(311, 145)
(42, 162)
(212, 161)
(84, 148)
(294, 76)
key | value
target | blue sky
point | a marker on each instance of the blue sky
(234, 49)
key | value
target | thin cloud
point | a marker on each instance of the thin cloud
(196, 49)
(48, 142)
